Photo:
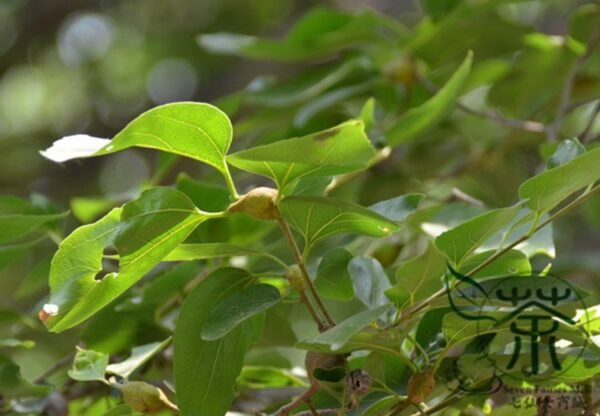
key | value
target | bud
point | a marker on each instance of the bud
(145, 398)
(294, 276)
(420, 386)
(258, 203)
(401, 70)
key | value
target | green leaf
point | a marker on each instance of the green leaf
(548, 189)
(89, 365)
(382, 406)
(341, 149)
(397, 209)
(89, 209)
(317, 218)
(196, 130)
(418, 277)
(139, 356)
(418, 120)
(121, 410)
(143, 232)
(19, 225)
(340, 334)
(333, 280)
(267, 377)
(464, 239)
(16, 343)
(319, 32)
(187, 252)
(238, 308)
(566, 151)
(513, 262)
(12, 383)
(437, 9)
(12, 252)
(310, 85)
(206, 371)
(369, 280)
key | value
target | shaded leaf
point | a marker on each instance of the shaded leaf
(418, 277)
(19, 225)
(397, 209)
(206, 371)
(370, 281)
(320, 31)
(237, 308)
(464, 239)
(566, 151)
(187, 252)
(419, 119)
(333, 280)
(139, 356)
(340, 334)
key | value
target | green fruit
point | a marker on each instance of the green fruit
(145, 398)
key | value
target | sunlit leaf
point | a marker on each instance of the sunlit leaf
(143, 232)
(196, 130)
(317, 218)
(344, 148)
(548, 189)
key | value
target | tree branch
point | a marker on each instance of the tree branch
(567, 91)
(63, 362)
(287, 233)
(527, 125)
(575, 203)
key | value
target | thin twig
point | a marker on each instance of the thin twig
(464, 197)
(527, 125)
(585, 136)
(575, 203)
(567, 90)
(298, 401)
(63, 362)
(287, 233)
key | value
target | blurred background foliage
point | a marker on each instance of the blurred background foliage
(92, 66)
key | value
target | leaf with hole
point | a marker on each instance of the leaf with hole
(144, 231)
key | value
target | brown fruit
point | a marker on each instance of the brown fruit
(420, 386)
(315, 360)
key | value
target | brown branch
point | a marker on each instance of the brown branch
(567, 90)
